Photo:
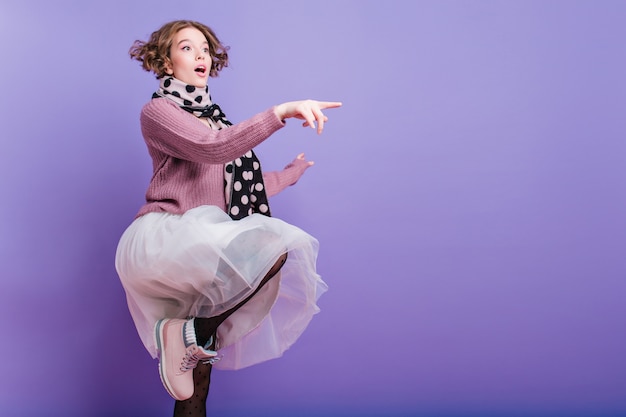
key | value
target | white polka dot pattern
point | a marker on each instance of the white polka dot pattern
(245, 191)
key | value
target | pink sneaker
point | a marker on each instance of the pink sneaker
(179, 353)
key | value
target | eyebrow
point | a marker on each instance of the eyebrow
(189, 40)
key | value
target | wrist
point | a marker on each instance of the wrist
(279, 112)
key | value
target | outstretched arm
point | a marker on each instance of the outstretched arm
(171, 130)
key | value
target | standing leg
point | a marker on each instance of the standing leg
(196, 405)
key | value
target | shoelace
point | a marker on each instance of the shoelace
(191, 359)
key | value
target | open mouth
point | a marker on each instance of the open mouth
(200, 70)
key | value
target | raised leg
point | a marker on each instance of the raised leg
(205, 328)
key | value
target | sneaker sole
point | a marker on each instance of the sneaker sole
(158, 338)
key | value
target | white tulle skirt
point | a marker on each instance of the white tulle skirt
(202, 264)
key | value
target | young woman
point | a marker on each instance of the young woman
(208, 273)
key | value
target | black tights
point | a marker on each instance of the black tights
(205, 328)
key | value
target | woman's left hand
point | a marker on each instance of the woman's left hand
(302, 158)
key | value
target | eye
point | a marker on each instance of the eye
(207, 50)
(186, 48)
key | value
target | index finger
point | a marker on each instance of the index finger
(329, 104)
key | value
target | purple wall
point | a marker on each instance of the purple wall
(469, 199)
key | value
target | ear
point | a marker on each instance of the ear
(169, 70)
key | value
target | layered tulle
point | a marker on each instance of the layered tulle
(202, 264)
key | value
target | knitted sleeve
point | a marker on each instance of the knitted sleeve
(277, 181)
(173, 131)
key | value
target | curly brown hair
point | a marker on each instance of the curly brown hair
(154, 54)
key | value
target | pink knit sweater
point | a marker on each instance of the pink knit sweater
(188, 157)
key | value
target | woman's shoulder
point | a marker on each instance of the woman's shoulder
(162, 109)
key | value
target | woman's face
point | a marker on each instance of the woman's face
(190, 59)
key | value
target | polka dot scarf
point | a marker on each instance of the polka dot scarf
(243, 178)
